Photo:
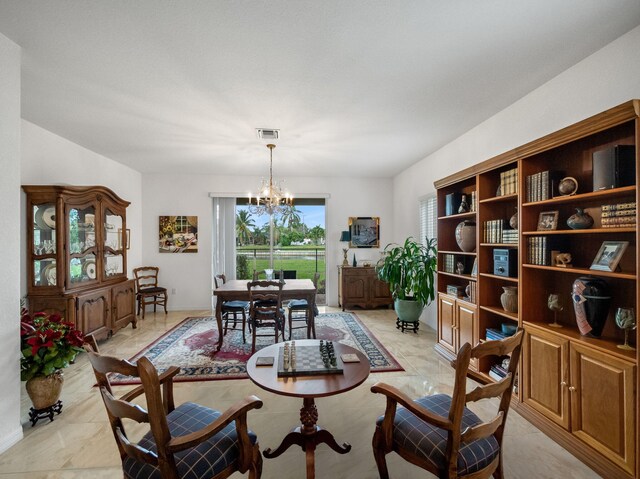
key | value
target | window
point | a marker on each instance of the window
(428, 223)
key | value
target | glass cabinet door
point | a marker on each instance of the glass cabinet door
(44, 245)
(114, 244)
(82, 245)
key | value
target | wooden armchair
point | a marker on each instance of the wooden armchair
(299, 312)
(147, 289)
(439, 433)
(265, 308)
(233, 310)
(188, 441)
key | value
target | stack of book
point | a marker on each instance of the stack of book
(539, 250)
(497, 372)
(493, 334)
(510, 236)
(449, 265)
(492, 231)
(540, 186)
(472, 292)
(621, 215)
(509, 182)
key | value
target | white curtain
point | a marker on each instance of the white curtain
(224, 240)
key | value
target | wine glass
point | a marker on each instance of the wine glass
(555, 305)
(626, 319)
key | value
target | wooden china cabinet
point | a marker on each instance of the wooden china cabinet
(77, 257)
(580, 390)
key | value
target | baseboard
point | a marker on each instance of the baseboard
(10, 439)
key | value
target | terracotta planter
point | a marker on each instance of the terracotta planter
(44, 391)
(509, 299)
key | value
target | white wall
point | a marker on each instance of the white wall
(603, 80)
(190, 274)
(10, 427)
(48, 159)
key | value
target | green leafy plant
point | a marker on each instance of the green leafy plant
(410, 270)
(47, 343)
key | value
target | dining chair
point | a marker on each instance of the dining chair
(186, 442)
(265, 309)
(233, 310)
(147, 289)
(299, 312)
(259, 274)
(439, 433)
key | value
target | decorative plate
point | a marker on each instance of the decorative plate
(48, 275)
(89, 268)
(45, 217)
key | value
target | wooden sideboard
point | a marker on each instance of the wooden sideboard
(360, 286)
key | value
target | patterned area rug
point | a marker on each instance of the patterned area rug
(191, 346)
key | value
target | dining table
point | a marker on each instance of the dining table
(236, 290)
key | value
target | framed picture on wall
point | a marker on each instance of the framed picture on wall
(178, 234)
(365, 232)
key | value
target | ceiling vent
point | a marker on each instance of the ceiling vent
(268, 133)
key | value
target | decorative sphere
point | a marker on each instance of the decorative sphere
(568, 186)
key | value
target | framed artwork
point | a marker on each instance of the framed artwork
(178, 234)
(127, 238)
(609, 255)
(365, 232)
(548, 220)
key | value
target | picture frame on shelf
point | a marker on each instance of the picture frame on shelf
(548, 220)
(474, 269)
(365, 232)
(609, 255)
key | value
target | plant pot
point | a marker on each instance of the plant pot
(44, 391)
(591, 301)
(408, 310)
(466, 236)
(509, 299)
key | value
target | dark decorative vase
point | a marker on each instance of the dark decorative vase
(464, 206)
(580, 220)
(466, 236)
(591, 301)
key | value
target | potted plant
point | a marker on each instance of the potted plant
(410, 272)
(48, 344)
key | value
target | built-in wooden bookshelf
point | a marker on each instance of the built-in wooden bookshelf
(570, 385)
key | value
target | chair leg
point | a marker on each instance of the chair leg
(253, 339)
(144, 306)
(165, 303)
(155, 303)
(290, 325)
(255, 469)
(379, 454)
(497, 474)
(244, 320)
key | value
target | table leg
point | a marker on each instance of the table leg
(219, 322)
(308, 436)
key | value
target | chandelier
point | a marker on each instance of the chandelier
(271, 199)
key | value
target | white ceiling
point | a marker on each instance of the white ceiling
(358, 87)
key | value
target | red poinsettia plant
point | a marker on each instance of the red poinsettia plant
(47, 343)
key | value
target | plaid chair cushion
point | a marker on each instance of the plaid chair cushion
(235, 305)
(430, 443)
(205, 460)
(300, 305)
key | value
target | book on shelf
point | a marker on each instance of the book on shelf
(509, 236)
(539, 249)
(495, 334)
(492, 231)
(619, 220)
(509, 182)
(542, 185)
(473, 201)
(618, 213)
(620, 206)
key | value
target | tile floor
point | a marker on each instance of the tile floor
(79, 444)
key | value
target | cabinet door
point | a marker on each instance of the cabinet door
(123, 305)
(467, 328)
(380, 294)
(446, 322)
(546, 362)
(93, 313)
(354, 288)
(602, 404)
(82, 246)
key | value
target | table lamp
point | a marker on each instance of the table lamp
(345, 237)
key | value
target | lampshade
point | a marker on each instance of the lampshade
(345, 236)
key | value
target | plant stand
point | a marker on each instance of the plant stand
(37, 414)
(411, 325)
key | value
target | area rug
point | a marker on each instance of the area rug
(191, 346)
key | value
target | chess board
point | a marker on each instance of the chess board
(308, 363)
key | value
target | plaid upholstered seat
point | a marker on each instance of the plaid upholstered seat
(205, 460)
(430, 442)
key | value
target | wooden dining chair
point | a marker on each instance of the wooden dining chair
(188, 441)
(439, 433)
(233, 310)
(261, 274)
(147, 289)
(265, 309)
(299, 312)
